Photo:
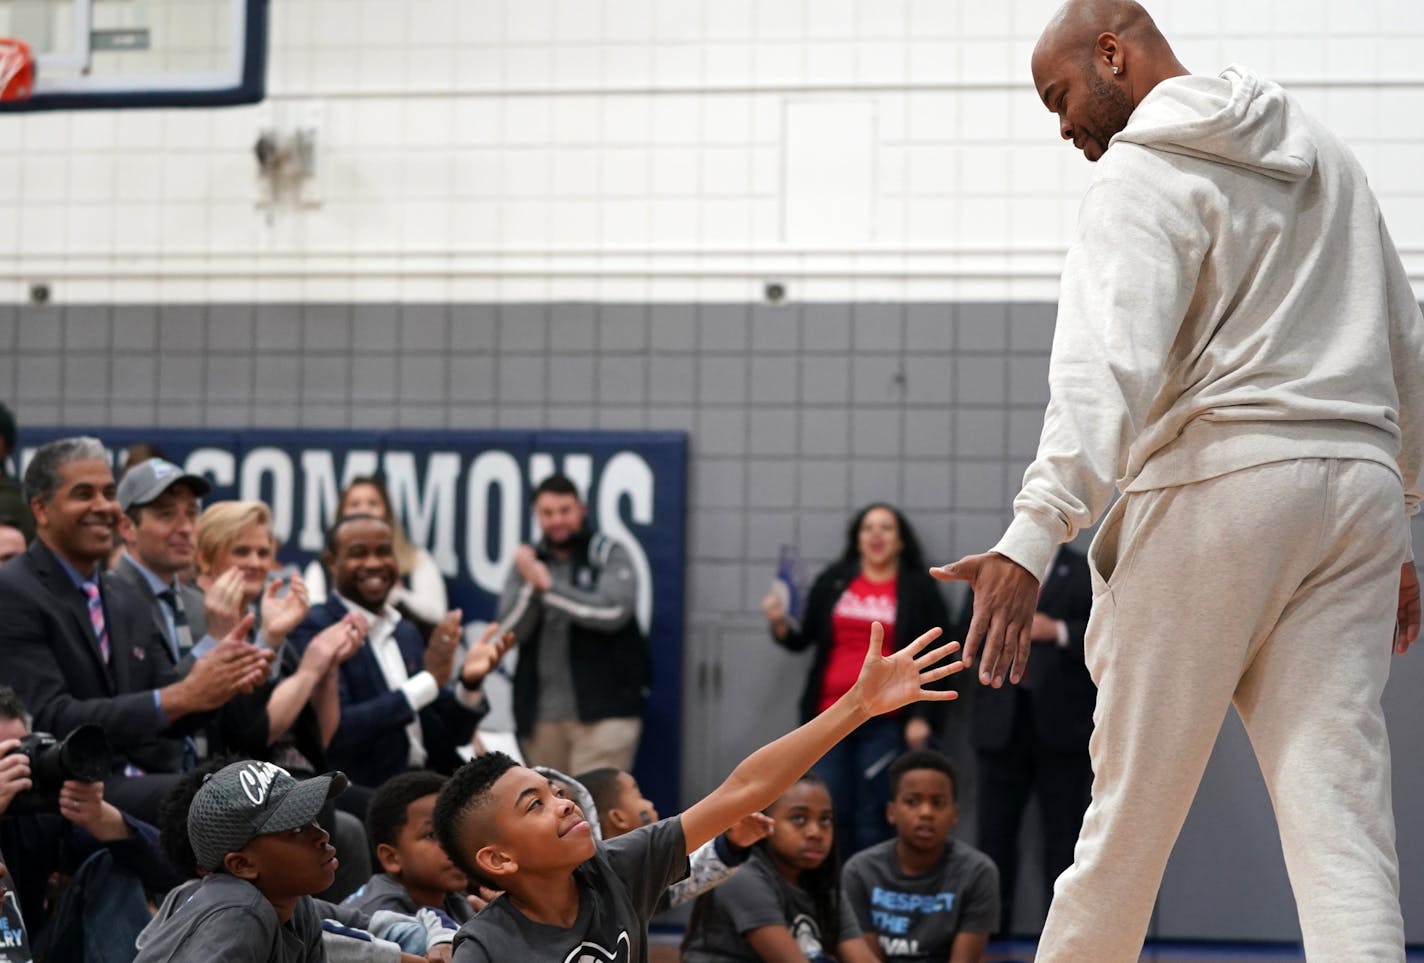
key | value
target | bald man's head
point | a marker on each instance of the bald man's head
(1094, 63)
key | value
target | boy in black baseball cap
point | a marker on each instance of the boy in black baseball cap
(253, 827)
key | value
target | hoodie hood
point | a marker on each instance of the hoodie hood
(1236, 118)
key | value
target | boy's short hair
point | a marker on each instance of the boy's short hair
(465, 791)
(173, 816)
(923, 759)
(602, 785)
(386, 813)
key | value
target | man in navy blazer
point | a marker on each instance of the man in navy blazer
(80, 647)
(398, 710)
(1032, 739)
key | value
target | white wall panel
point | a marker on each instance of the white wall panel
(652, 131)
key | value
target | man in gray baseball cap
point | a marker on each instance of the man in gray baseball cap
(159, 526)
(253, 830)
(145, 482)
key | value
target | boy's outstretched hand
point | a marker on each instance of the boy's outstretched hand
(885, 683)
(888, 682)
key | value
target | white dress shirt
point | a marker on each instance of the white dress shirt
(420, 690)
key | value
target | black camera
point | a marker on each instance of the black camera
(83, 755)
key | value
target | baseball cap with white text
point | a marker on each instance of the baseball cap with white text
(248, 799)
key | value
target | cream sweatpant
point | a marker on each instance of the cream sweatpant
(1274, 589)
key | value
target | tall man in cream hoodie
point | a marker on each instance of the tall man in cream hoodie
(1239, 351)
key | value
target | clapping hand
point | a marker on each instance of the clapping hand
(533, 571)
(440, 651)
(233, 667)
(334, 644)
(283, 613)
(485, 654)
(222, 602)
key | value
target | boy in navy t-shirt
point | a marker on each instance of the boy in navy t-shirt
(567, 897)
(922, 896)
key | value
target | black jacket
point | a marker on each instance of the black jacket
(240, 726)
(370, 744)
(1058, 681)
(919, 607)
(49, 655)
(611, 667)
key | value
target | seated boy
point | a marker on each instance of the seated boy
(253, 830)
(416, 870)
(622, 808)
(923, 896)
(565, 892)
(349, 935)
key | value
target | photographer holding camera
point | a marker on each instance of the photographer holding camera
(50, 824)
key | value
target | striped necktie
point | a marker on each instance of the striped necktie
(183, 633)
(193, 753)
(96, 618)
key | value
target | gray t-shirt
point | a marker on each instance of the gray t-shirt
(619, 889)
(917, 917)
(758, 896)
(227, 918)
(384, 892)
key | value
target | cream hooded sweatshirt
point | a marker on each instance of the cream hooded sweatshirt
(1232, 299)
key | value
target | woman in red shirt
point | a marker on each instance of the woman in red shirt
(880, 577)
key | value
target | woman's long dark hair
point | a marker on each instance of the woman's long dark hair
(911, 556)
(822, 884)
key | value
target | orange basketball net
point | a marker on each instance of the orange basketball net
(17, 69)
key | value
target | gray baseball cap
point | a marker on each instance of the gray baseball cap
(147, 480)
(248, 799)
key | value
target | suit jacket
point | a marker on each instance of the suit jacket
(239, 727)
(192, 605)
(1058, 682)
(371, 744)
(49, 655)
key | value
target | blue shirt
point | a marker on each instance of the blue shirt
(157, 586)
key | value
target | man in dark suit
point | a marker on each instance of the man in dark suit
(397, 711)
(1032, 739)
(81, 648)
(159, 524)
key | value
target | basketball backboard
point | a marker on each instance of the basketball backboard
(140, 53)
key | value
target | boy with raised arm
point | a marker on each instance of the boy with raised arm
(566, 896)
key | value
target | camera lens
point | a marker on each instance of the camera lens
(84, 754)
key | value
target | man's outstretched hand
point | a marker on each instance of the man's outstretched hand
(1005, 596)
